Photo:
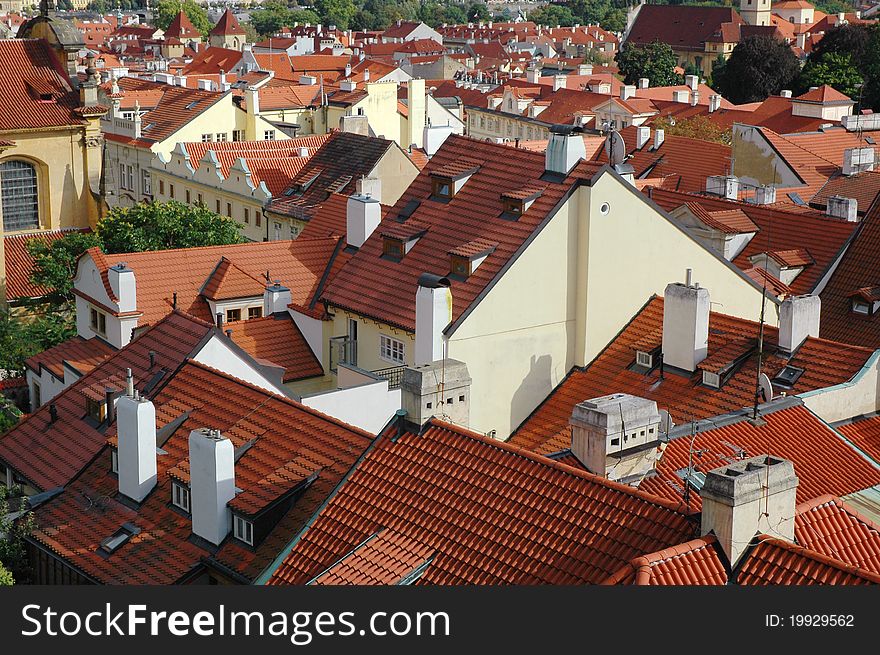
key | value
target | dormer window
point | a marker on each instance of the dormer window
(98, 321)
(392, 248)
(243, 530)
(180, 496)
(788, 376)
(644, 359)
(517, 202)
(441, 188)
(861, 307)
(465, 259)
(865, 301)
(461, 266)
(448, 180)
(399, 238)
(96, 410)
(711, 379)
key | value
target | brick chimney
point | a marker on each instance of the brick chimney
(212, 483)
(616, 436)
(748, 497)
(136, 452)
(798, 319)
(685, 325)
(433, 314)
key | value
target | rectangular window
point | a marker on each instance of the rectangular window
(391, 350)
(247, 216)
(98, 321)
(244, 530)
(218, 205)
(188, 197)
(269, 135)
(96, 409)
(180, 496)
(238, 135)
(122, 176)
(20, 202)
(255, 312)
(392, 248)
(36, 396)
(171, 191)
(129, 178)
(259, 218)
(206, 138)
(161, 187)
(441, 187)
(220, 136)
(461, 266)
(146, 183)
(114, 461)
(233, 315)
(200, 199)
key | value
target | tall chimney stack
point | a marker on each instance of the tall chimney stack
(212, 483)
(433, 314)
(136, 453)
(685, 325)
(798, 319)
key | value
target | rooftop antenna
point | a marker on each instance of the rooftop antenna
(761, 329)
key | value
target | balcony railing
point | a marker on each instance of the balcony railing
(343, 350)
(393, 374)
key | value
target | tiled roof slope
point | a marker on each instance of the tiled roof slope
(857, 269)
(385, 290)
(278, 340)
(229, 282)
(334, 168)
(865, 434)
(825, 363)
(822, 236)
(299, 264)
(488, 512)
(824, 462)
(212, 60)
(52, 454)
(828, 526)
(684, 28)
(20, 265)
(812, 169)
(82, 354)
(776, 562)
(863, 187)
(181, 28)
(282, 432)
(29, 65)
(228, 24)
(695, 562)
(384, 559)
(690, 161)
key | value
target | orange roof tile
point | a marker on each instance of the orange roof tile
(696, 562)
(229, 282)
(181, 28)
(470, 498)
(228, 25)
(83, 355)
(20, 265)
(776, 562)
(825, 363)
(278, 340)
(827, 526)
(385, 558)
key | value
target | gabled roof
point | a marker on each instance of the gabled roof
(51, 454)
(277, 340)
(181, 28)
(229, 282)
(695, 562)
(300, 265)
(228, 25)
(212, 61)
(466, 498)
(828, 526)
(83, 355)
(20, 265)
(825, 363)
(825, 95)
(385, 290)
(864, 187)
(776, 562)
(682, 27)
(29, 65)
(284, 437)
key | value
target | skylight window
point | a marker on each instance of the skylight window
(192, 104)
(118, 539)
(788, 376)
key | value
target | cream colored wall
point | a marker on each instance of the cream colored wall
(396, 172)
(485, 124)
(369, 332)
(380, 106)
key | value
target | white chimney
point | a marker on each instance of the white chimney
(434, 136)
(644, 83)
(212, 483)
(802, 40)
(558, 82)
(740, 500)
(857, 160)
(643, 135)
(685, 325)
(695, 98)
(124, 287)
(785, 93)
(252, 98)
(366, 75)
(533, 75)
(348, 70)
(765, 195)
(841, 207)
(692, 81)
(659, 137)
(627, 91)
(276, 298)
(136, 452)
(564, 150)
(680, 96)
(308, 80)
(302, 151)
(798, 319)
(585, 69)
(616, 436)
(347, 85)
(363, 213)
(725, 186)
(433, 314)
(714, 103)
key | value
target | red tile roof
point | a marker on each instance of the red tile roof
(777, 562)
(865, 434)
(857, 269)
(489, 513)
(822, 237)
(386, 558)
(286, 438)
(211, 61)
(813, 170)
(29, 64)
(181, 28)
(827, 526)
(51, 454)
(83, 355)
(864, 187)
(20, 265)
(277, 340)
(683, 28)
(385, 290)
(696, 562)
(228, 25)
(229, 282)
(825, 363)
(824, 95)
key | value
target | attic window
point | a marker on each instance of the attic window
(512, 207)
(243, 530)
(465, 259)
(788, 376)
(460, 266)
(861, 307)
(302, 187)
(711, 379)
(96, 410)
(392, 248)
(192, 104)
(118, 539)
(180, 495)
(644, 359)
(441, 188)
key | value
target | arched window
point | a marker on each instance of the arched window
(18, 184)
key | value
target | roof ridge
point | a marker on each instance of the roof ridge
(818, 557)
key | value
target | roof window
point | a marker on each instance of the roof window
(788, 376)
(118, 539)
(465, 259)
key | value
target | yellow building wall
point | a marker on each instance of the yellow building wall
(369, 333)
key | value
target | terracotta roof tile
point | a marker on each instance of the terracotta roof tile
(285, 439)
(228, 25)
(83, 355)
(684, 28)
(827, 526)
(278, 340)
(181, 28)
(20, 265)
(493, 514)
(229, 282)
(825, 363)
(212, 60)
(777, 562)
(386, 558)
(863, 187)
(695, 562)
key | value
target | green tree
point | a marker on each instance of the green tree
(603, 12)
(553, 15)
(271, 17)
(656, 61)
(160, 226)
(478, 11)
(759, 66)
(697, 127)
(336, 12)
(166, 11)
(100, 6)
(836, 69)
(6, 579)
(13, 549)
(9, 414)
(55, 262)
(852, 40)
(21, 338)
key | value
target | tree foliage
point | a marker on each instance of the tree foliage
(336, 12)
(759, 66)
(656, 61)
(21, 338)
(13, 549)
(274, 14)
(553, 15)
(836, 69)
(166, 11)
(6, 579)
(161, 226)
(607, 13)
(697, 127)
(55, 262)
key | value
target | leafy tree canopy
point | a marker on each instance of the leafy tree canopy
(759, 66)
(836, 69)
(656, 61)
(697, 127)
(13, 551)
(553, 15)
(55, 261)
(336, 12)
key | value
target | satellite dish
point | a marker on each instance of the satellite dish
(666, 422)
(615, 148)
(766, 387)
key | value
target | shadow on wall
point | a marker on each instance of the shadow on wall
(535, 386)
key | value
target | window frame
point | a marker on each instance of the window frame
(242, 529)
(98, 321)
(181, 496)
(255, 312)
(389, 350)
(33, 185)
(234, 311)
